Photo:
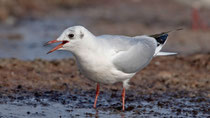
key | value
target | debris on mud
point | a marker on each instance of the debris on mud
(164, 74)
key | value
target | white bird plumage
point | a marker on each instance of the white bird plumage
(109, 59)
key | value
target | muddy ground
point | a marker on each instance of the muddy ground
(169, 86)
(33, 84)
(164, 74)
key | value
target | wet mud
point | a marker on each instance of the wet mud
(78, 103)
(174, 86)
(33, 84)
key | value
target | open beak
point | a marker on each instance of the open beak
(57, 47)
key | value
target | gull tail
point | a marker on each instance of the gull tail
(161, 40)
(165, 53)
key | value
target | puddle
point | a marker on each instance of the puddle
(79, 104)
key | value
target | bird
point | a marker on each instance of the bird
(108, 59)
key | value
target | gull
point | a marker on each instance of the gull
(108, 59)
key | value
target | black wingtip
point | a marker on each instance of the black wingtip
(162, 38)
(178, 29)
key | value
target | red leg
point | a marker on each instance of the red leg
(123, 99)
(97, 93)
(195, 19)
(197, 22)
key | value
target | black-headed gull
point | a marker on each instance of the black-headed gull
(109, 59)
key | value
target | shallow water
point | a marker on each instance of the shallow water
(25, 40)
(79, 104)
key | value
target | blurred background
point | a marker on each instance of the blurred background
(25, 25)
(36, 85)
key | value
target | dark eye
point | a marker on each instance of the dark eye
(71, 35)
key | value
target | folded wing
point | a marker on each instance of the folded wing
(134, 53)
(137, 56)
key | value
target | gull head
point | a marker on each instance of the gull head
(70, 38)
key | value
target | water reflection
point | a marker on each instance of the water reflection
(96, 114)
(122, 115)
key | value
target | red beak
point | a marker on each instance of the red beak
(57, 47)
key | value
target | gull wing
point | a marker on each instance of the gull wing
(137, 56)
(116, 43)
(134, 53)
(161, 39)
